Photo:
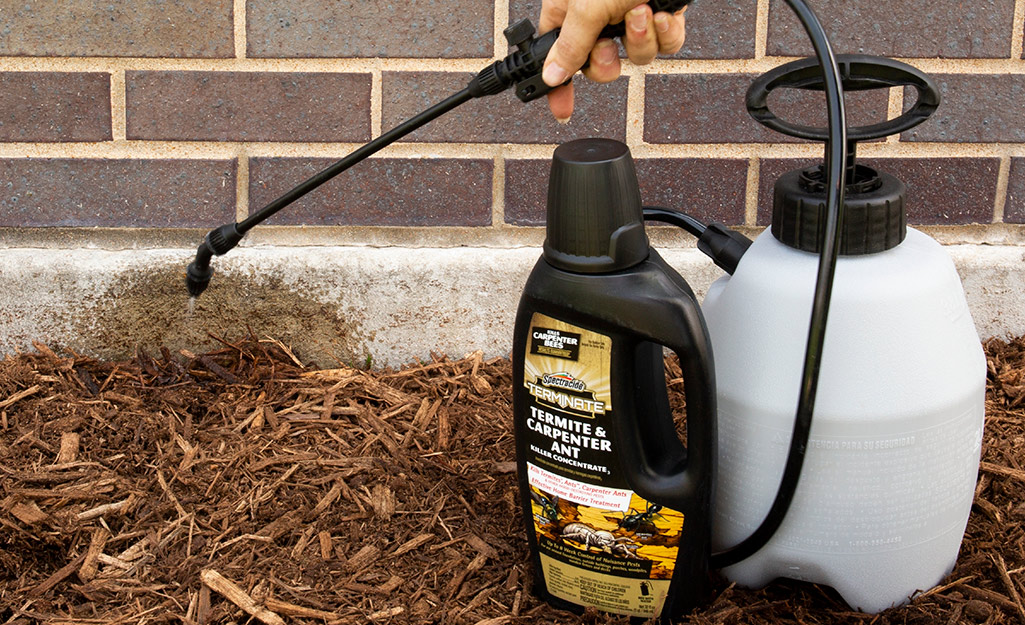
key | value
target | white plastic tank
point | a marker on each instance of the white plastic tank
(892, 460)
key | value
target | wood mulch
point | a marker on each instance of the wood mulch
(240, 486)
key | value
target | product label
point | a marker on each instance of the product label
(600, 543)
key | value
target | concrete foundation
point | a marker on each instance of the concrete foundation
(343, 305)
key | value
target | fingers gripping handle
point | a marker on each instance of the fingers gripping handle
(657, 6)
(522, 68)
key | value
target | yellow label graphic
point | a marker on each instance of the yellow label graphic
(600, 543)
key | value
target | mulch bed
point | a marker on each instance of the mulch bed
(241, 486)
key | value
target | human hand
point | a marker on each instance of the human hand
(647, 35)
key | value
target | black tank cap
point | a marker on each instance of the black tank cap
(595, 222)
(874, 211)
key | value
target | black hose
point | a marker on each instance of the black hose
(675, 218)
(717, 241)
(836, 157)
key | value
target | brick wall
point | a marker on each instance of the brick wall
(181, 115)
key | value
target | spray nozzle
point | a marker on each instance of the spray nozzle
(198, 274)
(218, 241)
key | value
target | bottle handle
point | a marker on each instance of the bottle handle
(675, 323)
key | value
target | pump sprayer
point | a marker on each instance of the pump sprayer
(602, 475)
(892, 457)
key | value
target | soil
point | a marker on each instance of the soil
(240, 486)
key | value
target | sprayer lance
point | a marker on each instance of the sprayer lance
(520, 69)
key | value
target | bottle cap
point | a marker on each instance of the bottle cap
(595, 221)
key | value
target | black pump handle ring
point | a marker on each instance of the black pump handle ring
(860, 72)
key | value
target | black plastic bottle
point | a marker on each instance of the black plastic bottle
(616, 506)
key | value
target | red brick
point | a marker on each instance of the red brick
(1014, 209)
(600, 111)
(720, 30)
(371, 28)
(974, 108)
(114, 193)
(59, 106)
(709, 189)
(248, 106)
(148, 28)
(378, 192)
(526, 191)
(711, 108)
(911, 28)
(715, 29)
(941, 191)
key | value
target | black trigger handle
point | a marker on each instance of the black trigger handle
(522, 67)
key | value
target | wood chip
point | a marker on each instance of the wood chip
(278, 527)
(505, 467)
(46, 351)
(28, 513)
(230, 591)
(291, 609)
(302, 543)
(412, 544)
(363, 558)
(499, 620)
(107, 508)
(170, 495)
(383, 614)
(20, 395)
(90, 565)
(326, 501)
(444, 428)
(214, 368)
(289, 459)
(58, 577)
(326, 551)
(997, 469)
(1005, 577)
(481, 546)
(382, 500)
(69, 448)
(203, 607)
(991, 596)
(390, 586)
(120, 398)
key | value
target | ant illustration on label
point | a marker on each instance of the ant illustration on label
(642, 520)
(549, 505)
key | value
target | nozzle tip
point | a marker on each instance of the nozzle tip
(197, 278)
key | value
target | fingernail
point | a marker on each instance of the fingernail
(638, 20)
(562, 120)
(606, 53)
(553, 75)
(661, 22)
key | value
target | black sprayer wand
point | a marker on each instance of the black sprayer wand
(522, 69)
